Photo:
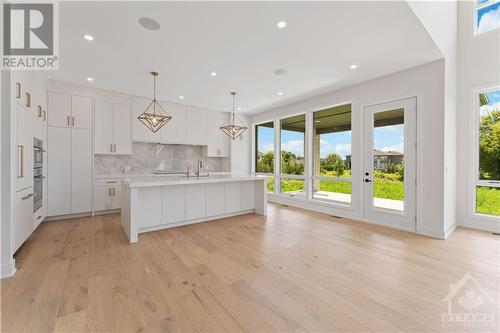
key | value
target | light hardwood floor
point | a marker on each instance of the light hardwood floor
(292, 271)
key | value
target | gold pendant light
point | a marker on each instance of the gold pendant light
(232, 130)
(155, 116)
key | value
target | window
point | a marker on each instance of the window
(292, 155)
(487, 173)
(264, 151)
(487, 15)
(332, 154)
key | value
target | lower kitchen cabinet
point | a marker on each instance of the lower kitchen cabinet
(215, 199)
(107, 194)
(23, 215)
(196, 201)
(173, 203)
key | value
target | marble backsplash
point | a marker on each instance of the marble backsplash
(148, 157)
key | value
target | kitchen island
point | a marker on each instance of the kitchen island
(157, 202)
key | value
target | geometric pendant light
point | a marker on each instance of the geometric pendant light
(233, 130)
(155, 116)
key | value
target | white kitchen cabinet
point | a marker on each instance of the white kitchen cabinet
(196, 126)
(81, 170)
(103, 129)
(59, 107)
(150, 200)
(175, 130)
(81, 112)
(69, 157)
(140, 133)
(196, 201)
(232, 197)
(218, 142)
(215, 199)
(107, 194)
(59, 171)
(23, 212)
(24, 148)
(247, 195)
(112, 128)
(173, 203)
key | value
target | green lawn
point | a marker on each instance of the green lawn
(488, 200)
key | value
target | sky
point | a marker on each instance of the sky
(488, 18)
(494, 98)
(385, 138)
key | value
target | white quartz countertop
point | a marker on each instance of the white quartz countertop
(162, 180)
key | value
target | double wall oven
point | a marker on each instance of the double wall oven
(38, 173)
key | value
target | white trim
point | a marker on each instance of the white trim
(483, 221)
(67, 216)
(8, 269)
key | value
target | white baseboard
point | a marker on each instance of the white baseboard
(450, 230)
(68, 216)
(8, 269)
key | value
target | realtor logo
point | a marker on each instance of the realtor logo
(467, 305)
(29, 31)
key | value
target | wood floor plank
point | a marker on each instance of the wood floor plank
(292, 271)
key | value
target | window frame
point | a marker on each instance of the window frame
(474, 175)
(323, 178)
(477, 8)
(277, 157)
(254, 152)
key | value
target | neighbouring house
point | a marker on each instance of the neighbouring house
(381, 159)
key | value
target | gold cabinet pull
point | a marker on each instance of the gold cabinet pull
(28, 99)
(27, 196)
(18, 90)
(67, 120)
(73, 120)
(20, 153)
(110, 147)
(44, 115)
(39, 111)
(114, 146)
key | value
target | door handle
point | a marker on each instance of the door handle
(367, 180)
(27, 196)
(20, 152)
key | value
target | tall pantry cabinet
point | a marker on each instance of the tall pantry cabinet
(69, 153)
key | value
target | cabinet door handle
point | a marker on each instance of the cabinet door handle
(73, 121)
(110, 147)
(67, 120)
(115, 147)
(27, 196)
(28, 99)
(44, 115)
(20, 153)
(114, 191)
(112, 182)
(39, 111)
(109, 191)
(18, 90)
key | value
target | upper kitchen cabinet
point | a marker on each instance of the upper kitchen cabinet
(140, 133)
(174, 131)
(196, 126)
(218, 142)
(67, 110)
(112, 128)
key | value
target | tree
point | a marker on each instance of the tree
(331, 158)
(338, 167)
(265, 163)
(489, 146)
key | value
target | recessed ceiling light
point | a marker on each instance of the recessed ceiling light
(238, 108)
(280, 71)
(280, 93)
(90, 79)
(281, 24)
(149, 23)
(353, 66)
(88, 37)
(181, 97)
(213, 74)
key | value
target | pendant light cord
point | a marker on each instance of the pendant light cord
(233, 93)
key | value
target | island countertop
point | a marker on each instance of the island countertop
(153, 181)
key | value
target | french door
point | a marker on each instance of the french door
(389, 172)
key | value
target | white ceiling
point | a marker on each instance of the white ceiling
(240, 41)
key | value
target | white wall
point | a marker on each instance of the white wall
(439, 18)
(479, 68)
(427, 83)
(241, 150)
